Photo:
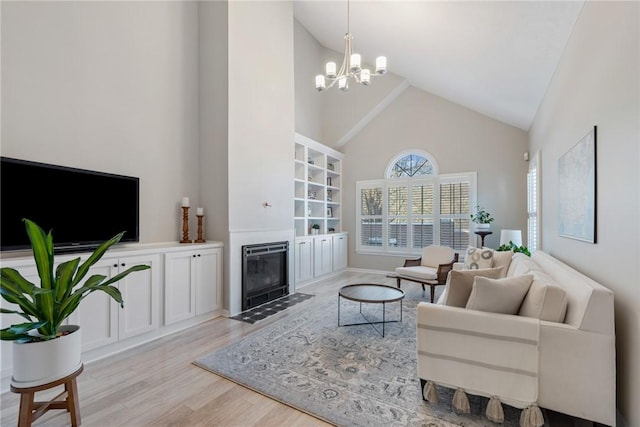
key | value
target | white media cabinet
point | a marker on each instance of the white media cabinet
(182, 288)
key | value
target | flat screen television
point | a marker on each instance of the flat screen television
(82, 208)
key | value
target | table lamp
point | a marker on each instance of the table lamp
(514, 236)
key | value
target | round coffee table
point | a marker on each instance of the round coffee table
(373, 294)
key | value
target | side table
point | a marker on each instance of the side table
(482, 235)
(68, 400)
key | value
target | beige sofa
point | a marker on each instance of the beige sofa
(557, 351)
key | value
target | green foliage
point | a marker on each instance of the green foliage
(316, 226)
(512, 247)
(61, 289)
(481, 216)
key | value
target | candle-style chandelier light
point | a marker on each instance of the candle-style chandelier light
(351, 67)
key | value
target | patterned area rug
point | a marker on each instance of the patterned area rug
(347, 376)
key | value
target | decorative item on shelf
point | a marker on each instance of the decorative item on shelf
(482, 218)
(329, 212)
(315, 229)
(331, 230)
(310, 161)
(329, 195)
(350, 68)
(185, 220)
(45, 307)
(200, 215)
(312, 194)
(308, 210)
(329, 181)
(330, 166)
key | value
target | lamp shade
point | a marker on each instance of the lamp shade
(514, 236)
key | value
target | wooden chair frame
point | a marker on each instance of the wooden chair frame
(441, 279)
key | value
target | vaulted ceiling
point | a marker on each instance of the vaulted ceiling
(494, 57)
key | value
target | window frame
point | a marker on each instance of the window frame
(384, 184)
(533, 204)
(434, 165)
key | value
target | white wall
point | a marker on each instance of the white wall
(213, 92)
(308, 63)
(598, 83)
(108, 86)
(460, 140)
(261, 128)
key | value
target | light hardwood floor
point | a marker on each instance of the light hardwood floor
(156, 384)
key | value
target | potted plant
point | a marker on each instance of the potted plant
(514, 248)
(315, 229)
(38, 342)
(482, 218)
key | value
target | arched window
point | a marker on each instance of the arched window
(410, 164)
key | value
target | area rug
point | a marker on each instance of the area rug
(348, 375)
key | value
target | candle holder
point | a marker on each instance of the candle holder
(185, 225)
(199, 239)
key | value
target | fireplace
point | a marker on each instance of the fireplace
(265, 274)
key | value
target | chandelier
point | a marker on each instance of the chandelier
(351, 67)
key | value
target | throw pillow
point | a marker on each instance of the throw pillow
(476, 258)
(502, 259)
(460, 283)
(499, 295)
(546, 300)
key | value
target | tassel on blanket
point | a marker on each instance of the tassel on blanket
(430, 393)
(461, 402)
(531, 416)
(495, 412)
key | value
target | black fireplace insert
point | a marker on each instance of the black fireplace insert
(265, 274)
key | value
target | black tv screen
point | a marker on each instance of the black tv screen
(82, 208)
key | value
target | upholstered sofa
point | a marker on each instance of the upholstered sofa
(555, 350)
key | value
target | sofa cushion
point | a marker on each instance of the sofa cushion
(460, 283)
(418, 272)
(546, 300)
(502, 259)
(521, 264)
(499, 295)
(476, 258)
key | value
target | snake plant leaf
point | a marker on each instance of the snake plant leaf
(19, 313)
(19, 331)
(95, 257)
(42, 245)
(64, 278)
(122, 274)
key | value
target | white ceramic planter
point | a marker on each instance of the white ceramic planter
(482, 227)
(42, 362)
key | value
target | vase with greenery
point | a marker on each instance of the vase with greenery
(315, 228)
(46, 305)
(482, 218)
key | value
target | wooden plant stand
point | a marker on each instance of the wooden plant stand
(68, 400)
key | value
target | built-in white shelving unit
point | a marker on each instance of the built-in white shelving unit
(318, 183)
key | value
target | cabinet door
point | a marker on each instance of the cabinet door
(97, 314)
(208, 280)
(322, 254)
(303, 260)
(340, 247)
(179, 293)
(140, 292)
